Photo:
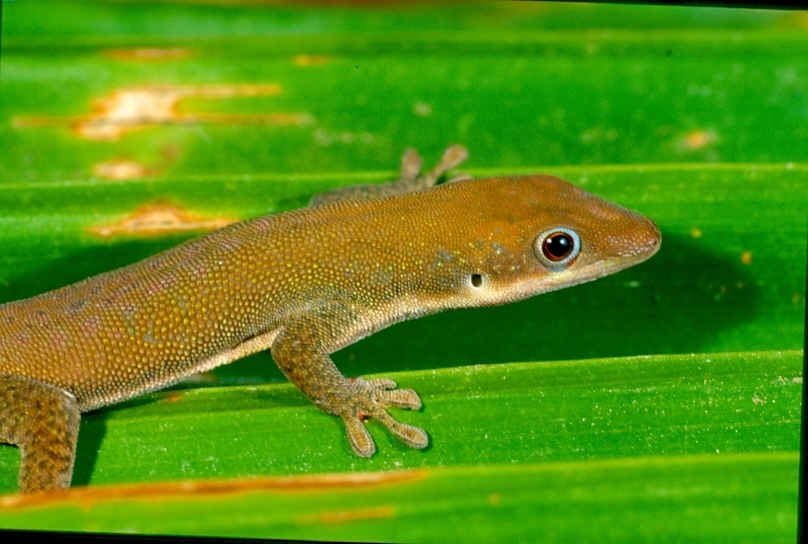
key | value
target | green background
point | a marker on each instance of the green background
(696, 117)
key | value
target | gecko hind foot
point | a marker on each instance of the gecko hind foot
(43, 421)
(409, 182)
(371, 400)
(453, 156)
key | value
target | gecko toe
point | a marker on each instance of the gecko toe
(386, 394)
(411, 164)
(454, 155)
(415, 437)
(381, 383)
(400, 398)
(361, 442)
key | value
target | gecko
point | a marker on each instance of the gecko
(302, 284)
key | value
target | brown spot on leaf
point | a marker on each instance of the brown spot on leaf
(746, 257)
(309, 60)
(121, 169)
(159, 218)
(173, 396)
(170, 152)
(133, 108)
(85, 497)
(343, 516)
(146, 54)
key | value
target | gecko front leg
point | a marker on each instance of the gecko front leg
(410, 182)
(302, 350)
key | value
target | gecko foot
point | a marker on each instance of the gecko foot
(411, 164)
(453, 156)
(370, 399)
(410, 182)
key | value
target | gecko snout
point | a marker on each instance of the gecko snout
(653, 236)
(646, 239)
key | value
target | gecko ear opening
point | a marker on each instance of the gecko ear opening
(476, 280)
(557, 248)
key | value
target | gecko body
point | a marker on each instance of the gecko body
(302, 284)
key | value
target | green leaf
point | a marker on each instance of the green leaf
(518, 85)
(695, 117)
(738, 498)
(635, 445)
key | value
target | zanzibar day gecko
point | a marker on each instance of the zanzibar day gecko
(302, 284)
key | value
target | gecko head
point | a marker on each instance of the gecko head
(550, 234)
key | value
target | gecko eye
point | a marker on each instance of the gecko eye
(557, 247)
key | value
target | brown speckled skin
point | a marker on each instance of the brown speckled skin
(303, 284)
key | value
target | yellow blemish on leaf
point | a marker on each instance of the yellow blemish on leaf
(795, 298)
(378, 512)
(746, 257)
(121, 169)
(149, 53)
(697, 139)
(422, 109)
(134, 108)
(695, 233)
(310, 60)
(159, 218)
(85, 497)
(493, 499)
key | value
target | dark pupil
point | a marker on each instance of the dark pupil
(557, 246)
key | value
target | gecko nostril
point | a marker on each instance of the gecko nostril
(476, 280)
